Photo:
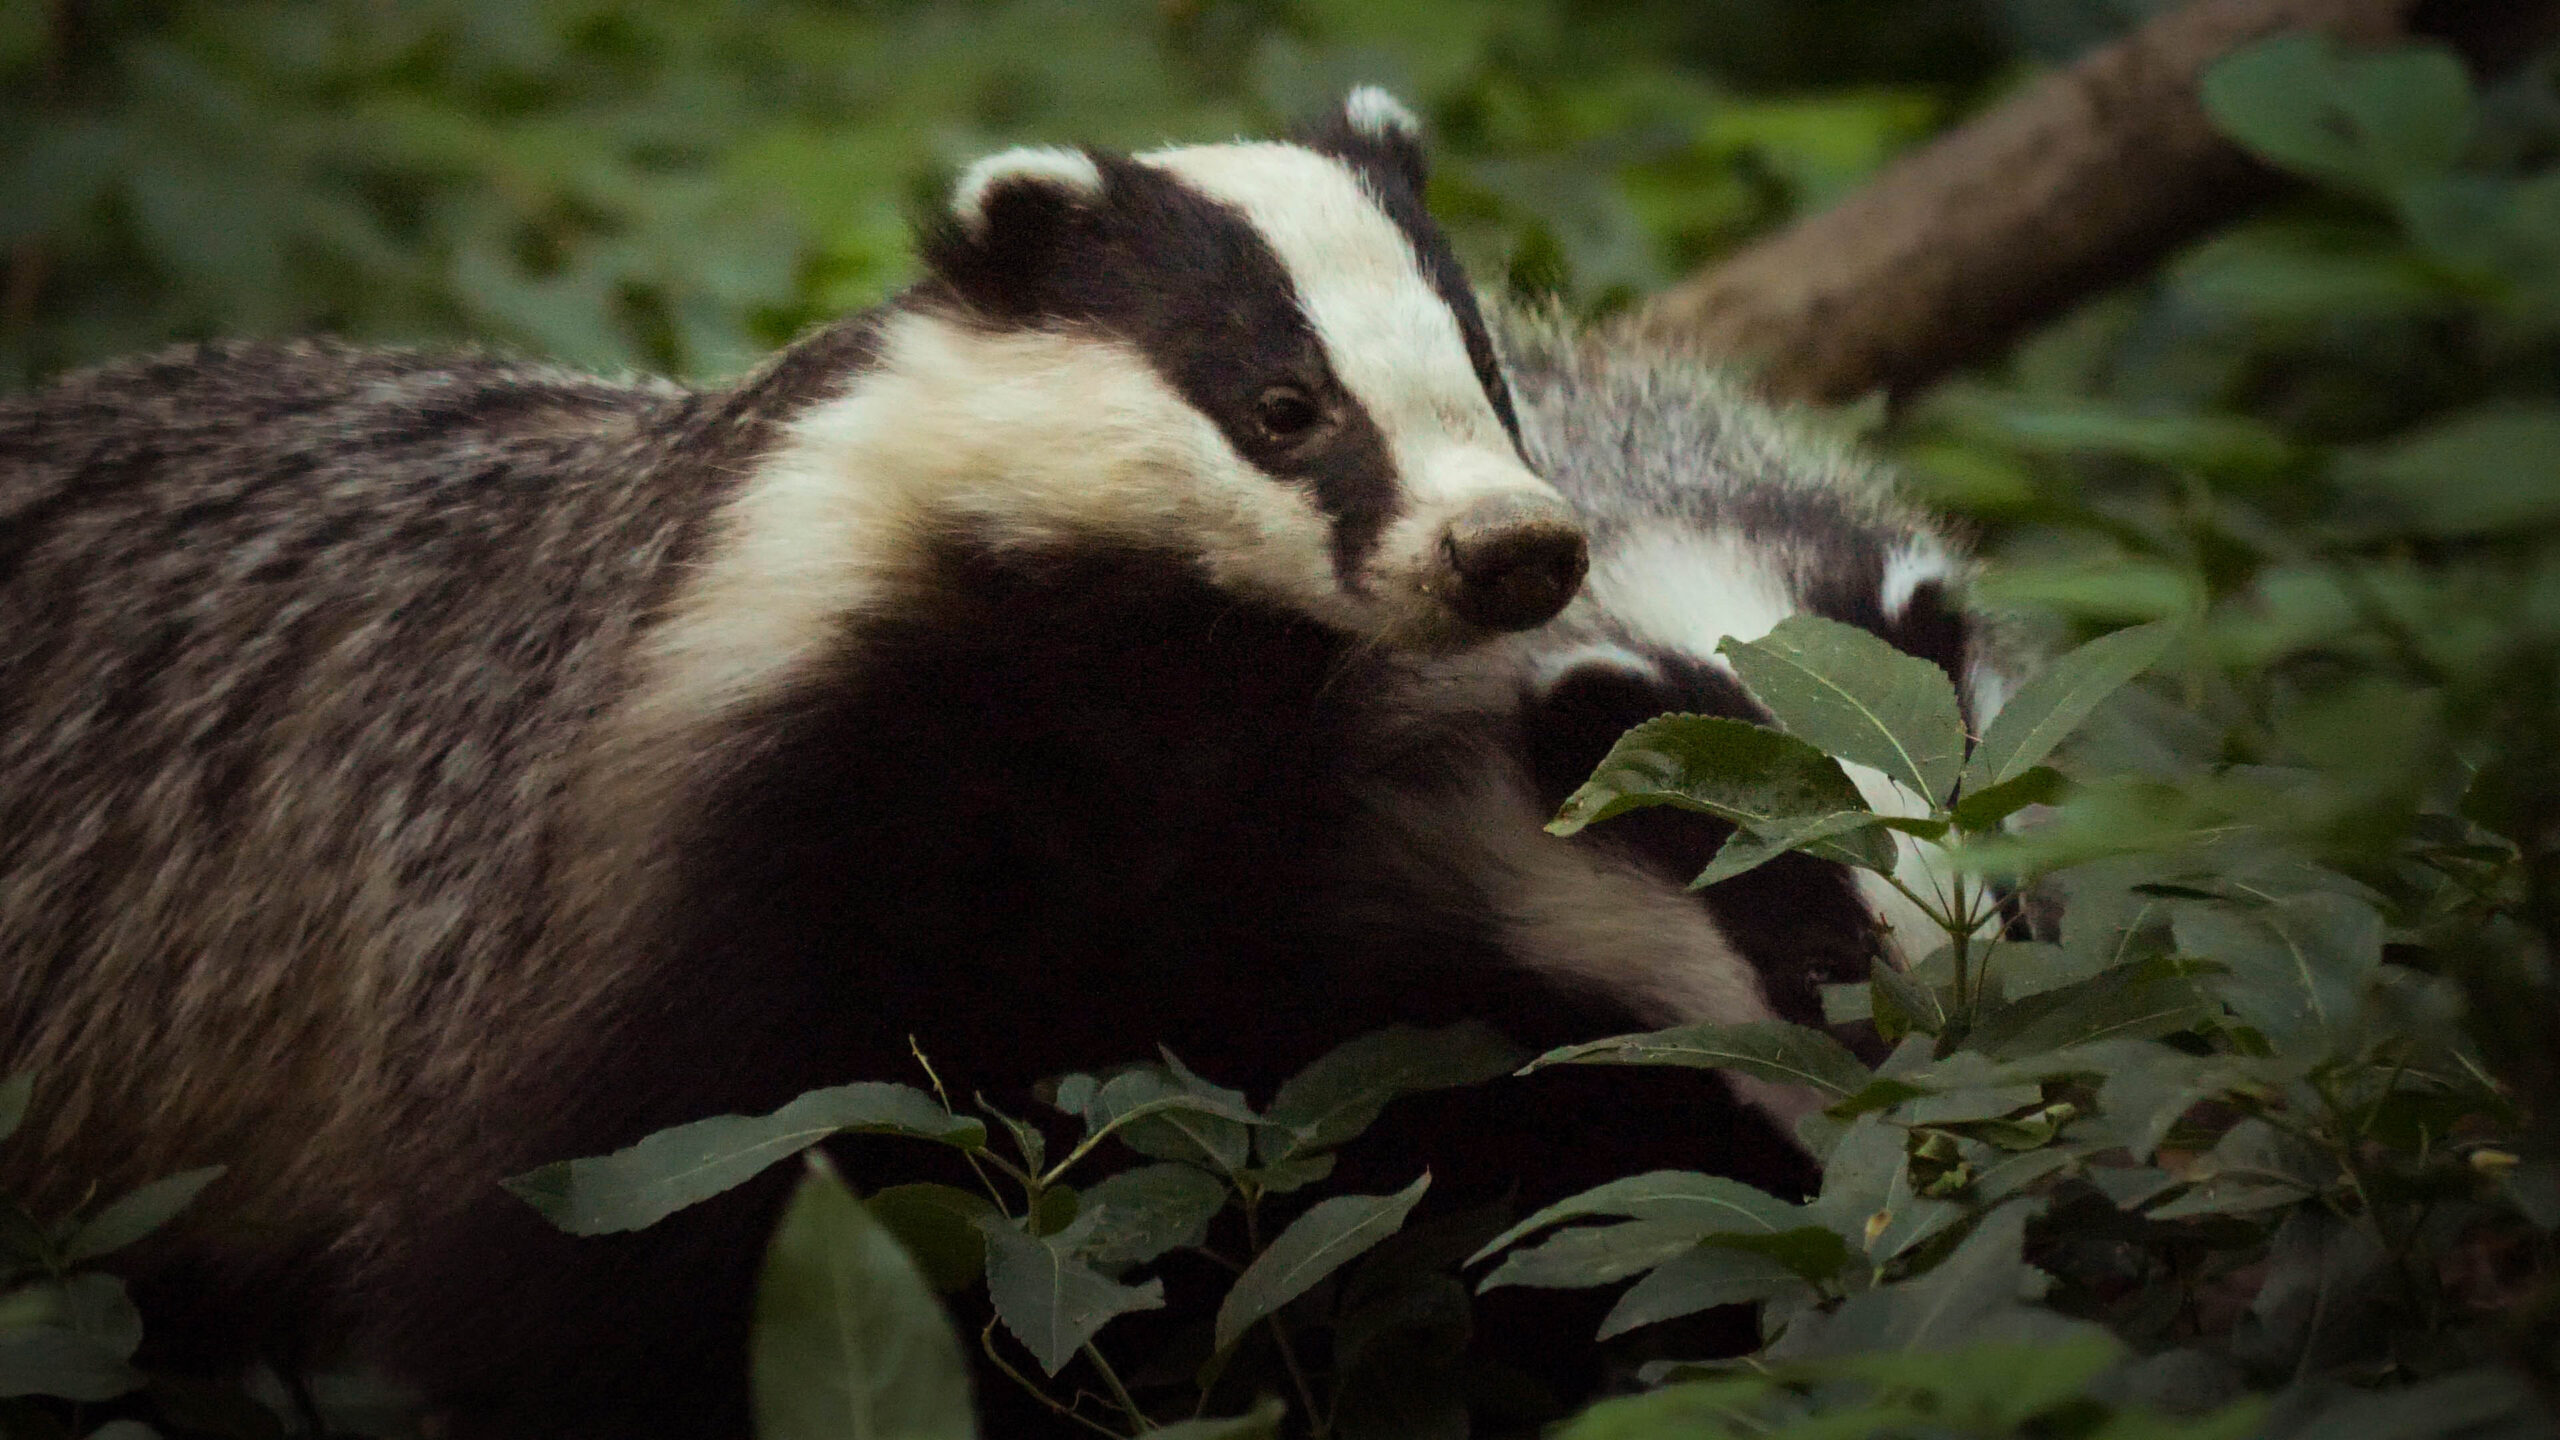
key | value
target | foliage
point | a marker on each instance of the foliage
(1059, 1263)
(2264, 1141)
(684, 186)
(69, 1332)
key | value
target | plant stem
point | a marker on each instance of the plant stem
(987, 1342)
(1119, 1392)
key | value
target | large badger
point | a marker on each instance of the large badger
(415, 769)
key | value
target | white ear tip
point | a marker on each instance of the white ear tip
(1054, 165)
(1380, 116)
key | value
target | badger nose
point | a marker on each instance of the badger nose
(1517, 558)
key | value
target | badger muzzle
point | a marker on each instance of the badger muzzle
(1513, 561)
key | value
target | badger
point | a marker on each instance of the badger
(417, 768)
(1709, 514)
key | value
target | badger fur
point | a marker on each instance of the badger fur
(1709, 516)
(414, 769)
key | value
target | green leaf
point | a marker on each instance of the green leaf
(2483, 471)
(136, 1214)
(14, 1093)
(1704, 1204)
(1338, 1096)
(1697, 1410)
(848, 1341)
(644, 1183)
(2049, 707)
(2371, 122)
(1857, 698)
(2141, 1001)
(1746, 850)
(1983, 1281)
(1330, 1234)
(938, 1225)
(1701, 1278)
(2298, 967)
(1168, 1113)
(1140, 1214)
(1985, 809)
(1744, 773)
(1588, 1255)
(1768, 1049)
(1052, 1301)
(1992, 1389)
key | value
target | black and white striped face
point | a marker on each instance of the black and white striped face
(1708, 518)
(1263, 355)
(1660, 604)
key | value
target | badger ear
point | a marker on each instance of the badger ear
(1010, 215)
(1375, 130)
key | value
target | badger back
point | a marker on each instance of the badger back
(1709, 516)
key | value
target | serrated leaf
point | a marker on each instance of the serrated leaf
(1169, 1114)
(2297, 967)
(14, 1093)
(1747, 850)
(1750, 775)
(1331, 1233)
(1984, 1279)
(1769, 1049)
(1143, 1213)
(1052, 1301)
(1985, 809)
(1588, 1255)
(2050, 706)
(1857, 698)
(938, 1226)
(2141, 1001)
(1337, 1097)
(646, 1182)
(1701, 1278)
(136, 1214)
(848, 1341)
(1705, 1204)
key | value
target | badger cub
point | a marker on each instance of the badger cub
(414, 768)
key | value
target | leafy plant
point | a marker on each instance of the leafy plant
(849, 1341)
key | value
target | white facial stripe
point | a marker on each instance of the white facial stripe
(1687, 591)
(1392, 340)
(1919, 563)
(1018, 438)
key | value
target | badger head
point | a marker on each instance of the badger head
(1259, 356)
(1708, 518)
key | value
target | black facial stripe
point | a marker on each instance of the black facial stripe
(1853, 594)
(1190, 283)
(1391, 183)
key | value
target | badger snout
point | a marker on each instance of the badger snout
(1514, 560)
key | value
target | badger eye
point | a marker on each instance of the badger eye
(1285, 413)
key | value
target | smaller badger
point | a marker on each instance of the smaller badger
(1709, 516)
(414, 769)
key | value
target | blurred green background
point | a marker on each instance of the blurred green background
(680, 186)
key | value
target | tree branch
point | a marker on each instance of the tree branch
(2085, 179)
